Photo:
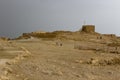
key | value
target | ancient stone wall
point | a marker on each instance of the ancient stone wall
(88, 28)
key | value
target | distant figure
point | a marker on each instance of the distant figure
(97, 37)
(100, 37)
(59, 44)
(116, 48)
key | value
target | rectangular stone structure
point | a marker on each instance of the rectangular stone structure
(88, 28)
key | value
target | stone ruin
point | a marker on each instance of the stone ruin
(88, 28)
(110, 35)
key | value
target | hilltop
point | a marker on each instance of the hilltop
(61, 55)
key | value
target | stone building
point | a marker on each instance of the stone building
(88, 28)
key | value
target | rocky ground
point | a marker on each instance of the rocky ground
(55, 59)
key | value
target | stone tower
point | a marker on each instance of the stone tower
(88, 28)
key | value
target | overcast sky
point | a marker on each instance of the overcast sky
(18, 16)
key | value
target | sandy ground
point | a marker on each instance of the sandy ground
(44, 60)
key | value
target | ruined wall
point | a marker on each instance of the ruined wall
(88, 28)
(110, 35)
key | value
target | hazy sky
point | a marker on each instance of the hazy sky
(18, 16)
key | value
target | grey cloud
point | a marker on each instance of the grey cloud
(18, 16)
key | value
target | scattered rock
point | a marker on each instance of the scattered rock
(8, 70)
(4, 78)
(77, 75)
(110, 72)
(79, 61)
(46, 72)
(59, 73)
(94, 61)
(26, 79)
(17, 75)
(8, 63)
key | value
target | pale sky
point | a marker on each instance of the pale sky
(18, 16)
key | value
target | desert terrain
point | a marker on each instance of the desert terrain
(68, 56)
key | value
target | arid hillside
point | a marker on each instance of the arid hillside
(60, 55)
